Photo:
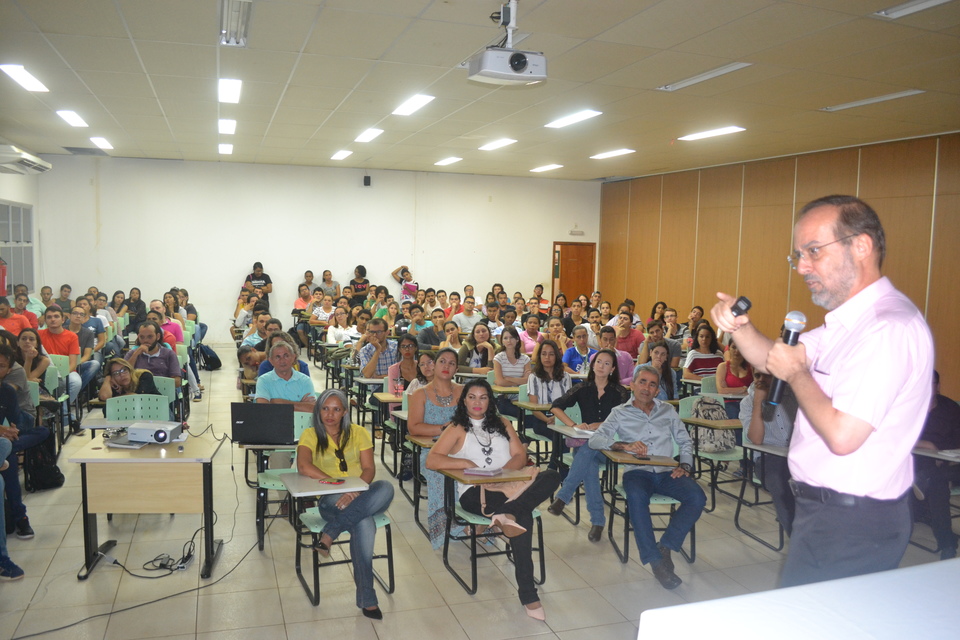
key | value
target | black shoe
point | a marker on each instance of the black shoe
(24, 530)
(556, 507)
(374, 614)
(665, 575)
(665, 556)
(595, 532)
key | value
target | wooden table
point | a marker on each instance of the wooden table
(507, 390)
(153, 479)
(301, 487)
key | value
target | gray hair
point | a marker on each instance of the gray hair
(648, 368)
(855, 217)
(322, 440)
(282, 344)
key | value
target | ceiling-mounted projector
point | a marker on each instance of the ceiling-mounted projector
(496, 65)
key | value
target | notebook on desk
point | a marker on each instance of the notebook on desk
(261, 423)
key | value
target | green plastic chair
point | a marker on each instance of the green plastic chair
(269, 480)
(137, 407)
(708, 384)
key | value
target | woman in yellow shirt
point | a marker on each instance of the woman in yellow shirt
(334, 448)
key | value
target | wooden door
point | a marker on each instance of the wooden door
(574, 269)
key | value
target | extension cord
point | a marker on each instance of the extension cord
(187, 561)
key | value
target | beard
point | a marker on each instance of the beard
(835, 295)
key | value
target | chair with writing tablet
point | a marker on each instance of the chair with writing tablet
(708, 384)
(57, 404)
(715, 460)
(135, 407)
(656, 500)
(540, 443)
(269, 480)
(395, 437)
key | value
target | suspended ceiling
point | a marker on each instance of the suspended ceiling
(143, 74)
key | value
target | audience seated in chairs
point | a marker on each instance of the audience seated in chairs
(122, 379)
(283, 385)
(17, 408)
(151, 356)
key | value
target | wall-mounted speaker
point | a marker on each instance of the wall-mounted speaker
(366, 181)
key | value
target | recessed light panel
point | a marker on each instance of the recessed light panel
(340, 155)
(228, 90)
(23, 77)
(612, 154)
(226, 149)
(546, 167)
(227, 126)
(713, 132)
(102, 143)
(446, 161)
(906, 8)
(72, 118)
(497, 144)
(368, 135)
(412, 105)
(866, 101)
(573, 118)
(702, 77)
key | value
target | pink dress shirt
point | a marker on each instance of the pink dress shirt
(873, 357)
(529, 344)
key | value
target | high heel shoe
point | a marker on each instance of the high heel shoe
(536, 614)
(373, 614)
(508, 525)
(322, 548)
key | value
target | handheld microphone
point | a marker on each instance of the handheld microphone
(792, 326)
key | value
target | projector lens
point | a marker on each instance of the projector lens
(518, 62)
(160, 435)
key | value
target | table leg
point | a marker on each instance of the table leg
(92, 552)
(212, 547)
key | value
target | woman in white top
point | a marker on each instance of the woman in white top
(452, 330)
(546, 383)
(478, 437)
(511, 368)
(339, 329)
(426, 365)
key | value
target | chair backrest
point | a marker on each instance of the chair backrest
(523, 396)
(574, 414)
(708, 384)
(491, 377)
(137, 407)
(685, 410)
(182, 350)
(167, 387)
(302, 420)
(34, 388)
(62, 363)
(51, 380)
(191, 325)
(405, 404)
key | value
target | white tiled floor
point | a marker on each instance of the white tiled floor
(588, 592)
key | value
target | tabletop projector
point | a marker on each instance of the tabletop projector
(154, 432)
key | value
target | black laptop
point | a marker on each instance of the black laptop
(261, 423)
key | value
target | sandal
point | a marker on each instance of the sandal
(508, 525)
(322, 549)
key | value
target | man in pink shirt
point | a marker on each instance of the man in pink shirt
(860, 414)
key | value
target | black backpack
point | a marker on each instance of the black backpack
(207, 358)
(40, 470)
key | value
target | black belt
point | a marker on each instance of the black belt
(829, 496)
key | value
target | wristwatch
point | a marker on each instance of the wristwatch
(685, 466)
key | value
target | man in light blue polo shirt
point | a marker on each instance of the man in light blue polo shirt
(283, 385)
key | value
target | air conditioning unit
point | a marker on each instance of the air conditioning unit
(17, 161)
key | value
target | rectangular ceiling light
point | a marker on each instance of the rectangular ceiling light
(226, 149)
(227, 126)
(412, 105)
(340, 155)
(23, 77)
(713, 132)
(612, 154)
(708, 75)
(496, 144)
(72, 118)
(546, 167)
(368, 135)
(860, 103)
(906, 8)
(102, 143)
(229, 90)
(234, 22)
(573, 118)
(446, 161)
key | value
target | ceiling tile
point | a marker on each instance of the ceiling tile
(164, 21)
(192, 61)
(595, 59)
(80, 17)
(97, 54)
(353, 34)
(576, 19)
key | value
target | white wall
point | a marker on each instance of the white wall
(19, 189)
(154, 224)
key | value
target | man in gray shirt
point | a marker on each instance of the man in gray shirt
(467, 318)
(646, 426)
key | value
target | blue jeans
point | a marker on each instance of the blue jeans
(5, 446)
(585, 469)
(640, 486)
(357, 519)
(29, 437)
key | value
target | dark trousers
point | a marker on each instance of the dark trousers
(776, 478)
(934, 480)
(522, 509)
(11, 477)
(831, 540)
(640, 487)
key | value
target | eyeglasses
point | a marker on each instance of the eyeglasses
(119, 372)
(407, 346)
(813, 253)
(343, 462)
